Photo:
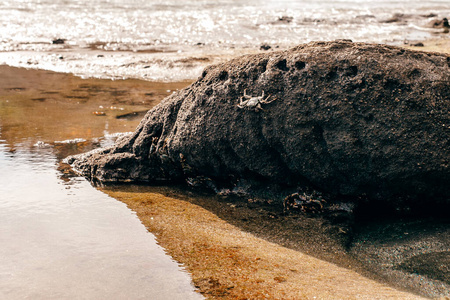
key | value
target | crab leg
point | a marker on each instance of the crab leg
(267, 102)
(242, 103)
(245, 94)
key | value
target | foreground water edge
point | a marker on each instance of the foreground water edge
(61, 238)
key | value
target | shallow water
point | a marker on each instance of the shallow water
(60, 237)
(174, 40)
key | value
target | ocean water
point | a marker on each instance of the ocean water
(174, 39)
(63, 239)
(60, 237)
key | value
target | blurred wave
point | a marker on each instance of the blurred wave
(174, 40)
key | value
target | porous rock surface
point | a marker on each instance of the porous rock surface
(349, 119)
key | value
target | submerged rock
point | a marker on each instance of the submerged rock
(439, 23)
(349, 119)
(58, 41)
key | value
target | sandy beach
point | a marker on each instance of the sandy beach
(228, 263)
(261, 254)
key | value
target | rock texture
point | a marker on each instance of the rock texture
(350, 119)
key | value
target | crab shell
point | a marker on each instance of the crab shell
(252, 102)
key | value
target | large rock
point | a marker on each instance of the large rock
(349, 119)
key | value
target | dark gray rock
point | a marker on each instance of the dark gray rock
(350, 119)
(437, 23)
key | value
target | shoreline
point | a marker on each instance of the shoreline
(158, 67)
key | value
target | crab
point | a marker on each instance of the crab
(254, 102)
(303, 202)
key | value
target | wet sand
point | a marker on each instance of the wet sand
(441, 44)
(75, 103)
(230, 263)
(233, 250)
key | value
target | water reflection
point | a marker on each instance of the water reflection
(61, 238)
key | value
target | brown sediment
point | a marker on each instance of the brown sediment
(226, 262)
(54, 106)
(127, 92)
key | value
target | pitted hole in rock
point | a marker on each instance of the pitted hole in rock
(415, 73)
(448, 61)
(391, 84)
(300, 65)
(223, 76)
(262, 66)
(352, 71)
(282, 65)
(332, 74)
(209, 91)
